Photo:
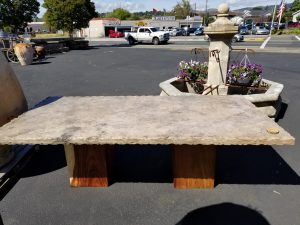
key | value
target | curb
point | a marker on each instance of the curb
(190, 47)
(254, 39)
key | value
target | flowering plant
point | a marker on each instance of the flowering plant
(193, 71)
(247, 74)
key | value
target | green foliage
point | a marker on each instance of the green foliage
(134, 16)
(17, 13)
(182, 10)
(68, 15)
(288, 31)
(295, 6)
(119, 13)
(193, 71)
(298, 18)
(208, 19)
(211, 19)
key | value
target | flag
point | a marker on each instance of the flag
(281, 9)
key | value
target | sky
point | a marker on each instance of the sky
(103, 6)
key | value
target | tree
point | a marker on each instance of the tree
(295, 6)
(17, 13)
(69, 15)
(182, 10)
(298, 18)
(120, 13)
(134, 16)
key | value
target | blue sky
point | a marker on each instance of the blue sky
(143, 5)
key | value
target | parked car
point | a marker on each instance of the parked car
(147, 34)
(186, 31)
(176, 32)
(192, 30)
(237, 38)
(260, 25)
(260, 30)
(248, 26)
(243, 30)
(199, 31)
(115, 34)
(169, 30)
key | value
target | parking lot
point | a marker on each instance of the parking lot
(277, 43)
(258, 185)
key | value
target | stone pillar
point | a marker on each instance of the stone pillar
(12, 102)
(220, 34)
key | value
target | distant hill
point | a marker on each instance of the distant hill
(264, 8)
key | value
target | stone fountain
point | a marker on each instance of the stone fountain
(220, 34)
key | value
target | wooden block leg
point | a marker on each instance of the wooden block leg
(194, 166)
(89, 165)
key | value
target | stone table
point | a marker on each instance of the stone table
(89, 127)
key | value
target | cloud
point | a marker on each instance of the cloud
(236, 4)
(110, 6)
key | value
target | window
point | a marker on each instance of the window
(153, 29)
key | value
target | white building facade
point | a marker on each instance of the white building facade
(295, 15)
(100, 27)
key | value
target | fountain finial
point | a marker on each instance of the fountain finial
(223, 8)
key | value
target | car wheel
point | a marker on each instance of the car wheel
(130, 41)
(155, 41)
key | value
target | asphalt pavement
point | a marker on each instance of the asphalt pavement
(256, 185)
(282, 43)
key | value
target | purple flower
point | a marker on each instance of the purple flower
(250, 71)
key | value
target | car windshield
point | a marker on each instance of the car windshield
(153, 29)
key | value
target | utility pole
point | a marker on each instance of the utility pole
(206, 14)
(273, 18)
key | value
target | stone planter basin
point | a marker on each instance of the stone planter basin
(268, 102)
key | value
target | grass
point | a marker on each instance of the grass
(295, 31)
(50, 35)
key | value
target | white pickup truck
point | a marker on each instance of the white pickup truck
(147, 34)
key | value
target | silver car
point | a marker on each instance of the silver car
(260, 30)
(237, 38)
(176, 32)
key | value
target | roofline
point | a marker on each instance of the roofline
(296, 12)
(98, 18)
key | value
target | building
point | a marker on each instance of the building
(295, 15)
(100, 27)
(38, 26)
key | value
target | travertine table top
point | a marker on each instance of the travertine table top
(206, 120)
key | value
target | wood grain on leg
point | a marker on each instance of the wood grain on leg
(89, 165)
(194, 166)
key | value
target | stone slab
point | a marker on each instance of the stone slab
(192, 120)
